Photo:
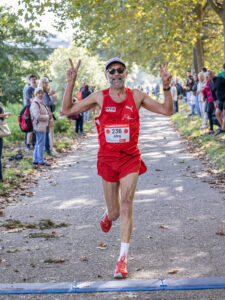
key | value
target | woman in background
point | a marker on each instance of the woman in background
(3, 116)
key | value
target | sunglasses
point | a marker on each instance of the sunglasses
(113, 71)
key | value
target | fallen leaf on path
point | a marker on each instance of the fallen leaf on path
(102, 246)
(163, 227)
(220, 232)
(30, 194)
(83, 258)
(181, 162)
(158, 170)
(1, 213)
(54, 261)
(173, 272)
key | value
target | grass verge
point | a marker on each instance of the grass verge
(212, 146)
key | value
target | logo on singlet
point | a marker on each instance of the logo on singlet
(129, 107)
(110, 109)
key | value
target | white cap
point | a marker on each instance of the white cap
(114, 60)
(37, 90)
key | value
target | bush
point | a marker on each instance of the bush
(62, 124)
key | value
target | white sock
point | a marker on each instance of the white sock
(124, 250)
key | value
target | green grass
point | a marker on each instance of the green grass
(212, 146)
(14, 172)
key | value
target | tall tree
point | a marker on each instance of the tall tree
(17, 49)
(145, 31)
(219, 7)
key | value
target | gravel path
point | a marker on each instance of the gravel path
(176, 217)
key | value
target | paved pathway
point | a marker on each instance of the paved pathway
(176, 217)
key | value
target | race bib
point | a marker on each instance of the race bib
(117, 133)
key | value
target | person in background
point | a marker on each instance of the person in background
(41, 117)
(86, 92)
(218, 93)
(3, 116)
(25, 89)
(27, 99)
(202, 103)
(49, 102)
(174, 97)
(179, 89)
(194, 89)
(222, 73)
(191, 96)
(207, 96)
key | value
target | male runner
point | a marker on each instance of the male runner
(119, 161)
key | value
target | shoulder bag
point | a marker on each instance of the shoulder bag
(4, 129)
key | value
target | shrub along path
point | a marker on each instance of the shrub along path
(54, 235)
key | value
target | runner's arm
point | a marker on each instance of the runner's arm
(165, 108)
(70, 108)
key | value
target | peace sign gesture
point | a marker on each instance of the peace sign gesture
(72, 72)
(165, 75)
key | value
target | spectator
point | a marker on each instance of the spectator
(86, 115)
(28, 97)
(179, 89)
(174, 97)
(188, 86)
(222, 73)
(190, 95)
(29, 92)
(147, 90)
(207, 96)
(218, 93)
(25, 88)
(157, 91)
(202, 104)
(194, 89)
(3, 116)
(49, 102)
(41, 117)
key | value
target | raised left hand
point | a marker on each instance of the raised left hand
(165, 75)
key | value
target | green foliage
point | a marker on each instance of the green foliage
(16, 51)
(62, 125)
(144, 32)
(91, 70)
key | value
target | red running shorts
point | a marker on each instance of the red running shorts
(113, 168)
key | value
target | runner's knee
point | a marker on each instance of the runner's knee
(126, 206)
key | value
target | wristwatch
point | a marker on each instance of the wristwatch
(167, 89)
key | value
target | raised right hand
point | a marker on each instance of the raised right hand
(72, 72)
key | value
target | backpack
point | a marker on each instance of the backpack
(24, 119)
(79, 95)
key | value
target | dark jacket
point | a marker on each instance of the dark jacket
(85, 94)
(218, 88)
(194, 87)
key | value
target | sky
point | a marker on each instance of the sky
(46, 21)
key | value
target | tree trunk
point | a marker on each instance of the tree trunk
(198, 53)
(195, 61)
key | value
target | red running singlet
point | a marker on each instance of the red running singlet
(118, 132)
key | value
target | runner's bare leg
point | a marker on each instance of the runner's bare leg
(112, 198)
(128, 187)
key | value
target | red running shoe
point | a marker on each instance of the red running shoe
(121, 268)
(105, 223)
